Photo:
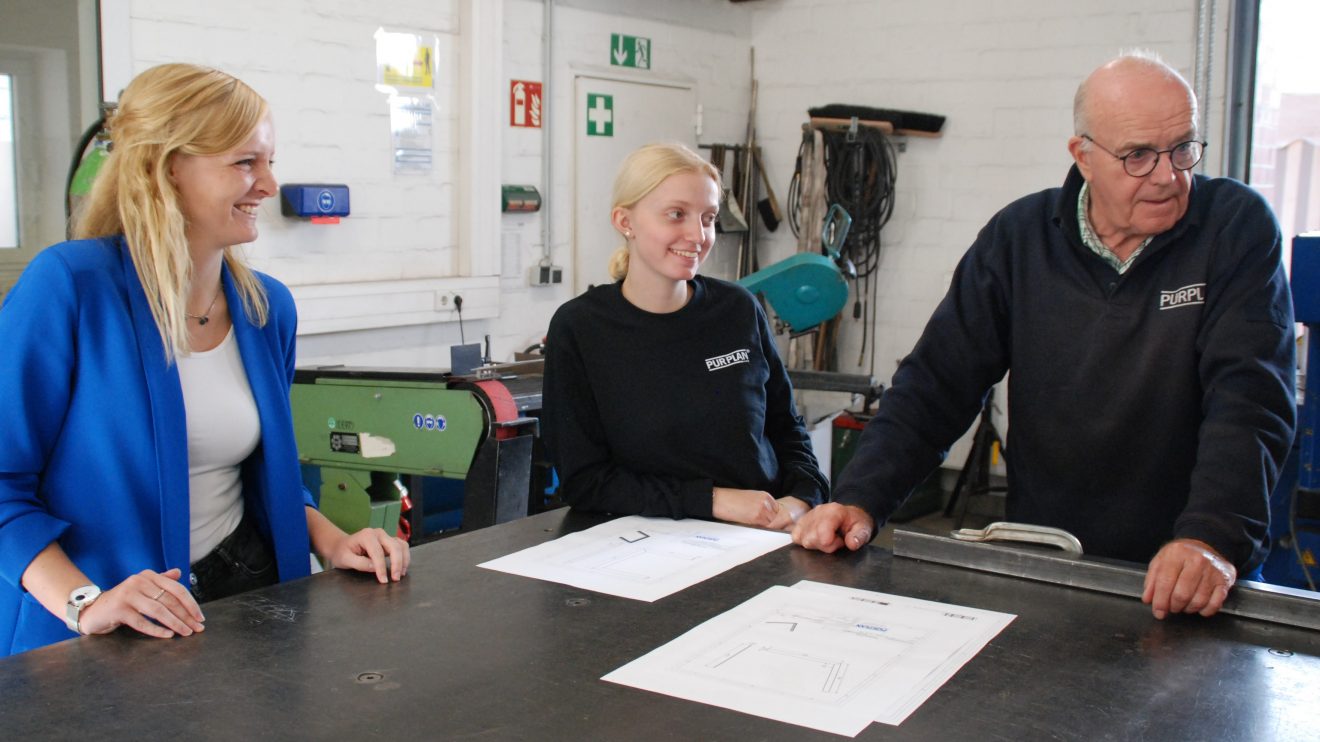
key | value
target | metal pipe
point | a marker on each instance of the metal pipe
(1205, 52)
(547, 170)
(1243, 32)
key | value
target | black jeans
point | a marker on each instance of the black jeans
(243, 561)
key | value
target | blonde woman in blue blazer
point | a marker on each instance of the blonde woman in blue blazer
(149, 462)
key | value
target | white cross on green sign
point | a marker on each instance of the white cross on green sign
(600, 115)
(630, 51)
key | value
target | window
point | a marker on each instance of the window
(1285, 126)
(8, 167)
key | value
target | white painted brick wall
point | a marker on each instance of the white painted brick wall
(716, 63)
(1003, 72)
(526, 309)
(1004, 75)
(315, 62)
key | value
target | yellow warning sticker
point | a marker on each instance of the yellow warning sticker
(405, 60)
(418, 76)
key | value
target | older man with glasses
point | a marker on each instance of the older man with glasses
(1146, 318)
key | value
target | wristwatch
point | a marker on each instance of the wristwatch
(79, 599)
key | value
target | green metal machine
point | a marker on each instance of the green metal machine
(374, 433)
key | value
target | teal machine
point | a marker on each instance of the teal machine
(377, 443)
(808, 288)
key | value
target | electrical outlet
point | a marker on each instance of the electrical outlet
(545, 275)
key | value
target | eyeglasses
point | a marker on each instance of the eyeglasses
(1141, 161)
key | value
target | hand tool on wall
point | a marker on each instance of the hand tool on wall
(768, 207)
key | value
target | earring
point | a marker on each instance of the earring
(627, 235)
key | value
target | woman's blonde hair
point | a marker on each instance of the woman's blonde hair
(169, 109)
(644, 170)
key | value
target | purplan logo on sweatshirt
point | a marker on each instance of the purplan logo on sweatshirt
(1186, 296)
(732, 358)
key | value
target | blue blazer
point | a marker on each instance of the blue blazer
(95, 448)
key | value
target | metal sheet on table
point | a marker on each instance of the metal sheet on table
(1273, 603)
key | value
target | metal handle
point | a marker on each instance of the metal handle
(834, 231)
(1022, 532)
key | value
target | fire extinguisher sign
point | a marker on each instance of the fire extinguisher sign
(525, 104)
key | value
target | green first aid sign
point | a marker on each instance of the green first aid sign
(630, 51)
(600, 115)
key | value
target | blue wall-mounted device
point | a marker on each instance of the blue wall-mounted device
(313, 199)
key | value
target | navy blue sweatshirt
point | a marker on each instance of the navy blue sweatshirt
(646, 413)
(1147, 406)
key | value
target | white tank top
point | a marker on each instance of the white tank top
(223, 430)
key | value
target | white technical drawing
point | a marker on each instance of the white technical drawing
(647, 555)
(641, 558)
(820, 656)
(807, 655)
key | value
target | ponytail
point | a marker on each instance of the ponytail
(619, 264)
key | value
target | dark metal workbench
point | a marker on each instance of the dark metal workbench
(458, 652)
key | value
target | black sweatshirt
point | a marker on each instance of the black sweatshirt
(645, 413)
(1147, 406)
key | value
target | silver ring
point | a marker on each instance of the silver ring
(162, 592)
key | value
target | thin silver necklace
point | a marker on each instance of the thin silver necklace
(202, 319)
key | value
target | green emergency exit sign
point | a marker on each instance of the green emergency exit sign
(630, 51)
